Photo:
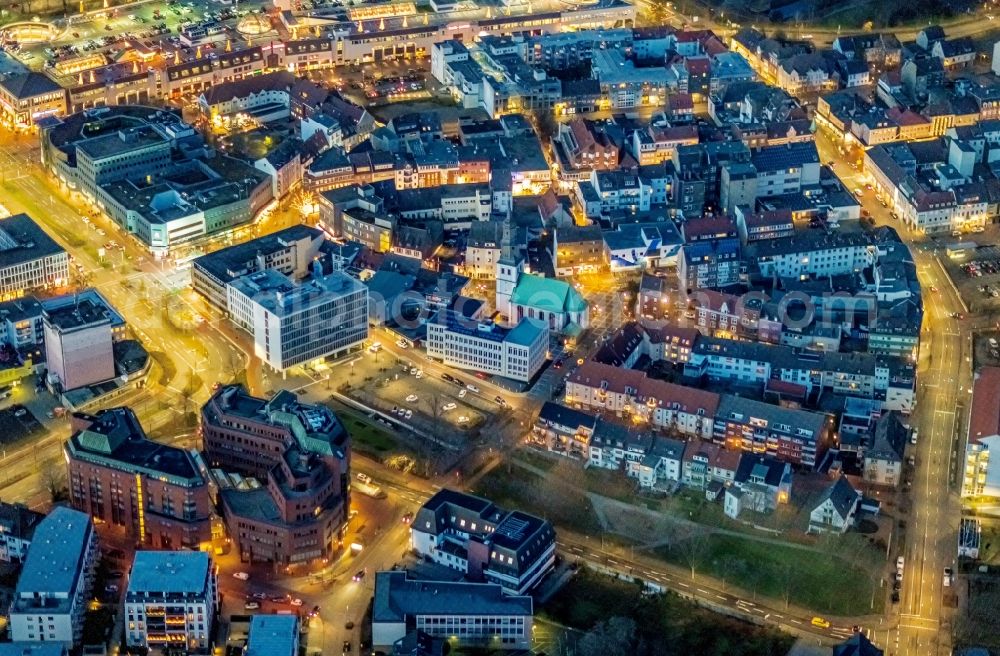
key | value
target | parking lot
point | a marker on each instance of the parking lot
(16, 423)
(976, 273)
(423, 400)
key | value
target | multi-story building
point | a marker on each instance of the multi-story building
(54, 587)
(786, 169)
(516, 353)
(29, 258)
(17, 527)
(630, 393)
(482, 249)
(464, 614)
(795, 436)
(155, 494)
(273, 635)
(579, 249)
(171, 601)
(294, 323)
(122, 160)
(79, 344)
(981, 473)
(28, 97)
(815, 253)
(290, 252)
(511, 549)
(27, 648)
(300, 455)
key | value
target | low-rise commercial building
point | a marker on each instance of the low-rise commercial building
(54, 587)
(511, 549)
(171, 601)
(466, 614)
(156, 495)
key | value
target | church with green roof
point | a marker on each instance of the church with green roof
(524, 295)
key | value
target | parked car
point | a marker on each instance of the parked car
(251, 605)
(243, 576)
(472, 388)
(449, 406)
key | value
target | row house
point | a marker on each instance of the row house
(630, 393)
(564, 431)
(706, 463)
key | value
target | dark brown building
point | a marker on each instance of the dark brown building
(154, 493)
(299, 454)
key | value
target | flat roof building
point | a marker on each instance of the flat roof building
(469, 614)
(273, 635)
(171, 601)
(471, 534)
(289, 251)
(293, 323)
(516, 353)
(154, 493)
(17, 527)
(52, 592)
(29, 258)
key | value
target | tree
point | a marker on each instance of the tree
(54, 479)
(692, 543)
(547, 124)
(615, 636)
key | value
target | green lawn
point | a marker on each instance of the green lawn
(520, 489)
(821, 581)
(665, 624)
(371, 440)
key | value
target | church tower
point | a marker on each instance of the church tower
(508, 271)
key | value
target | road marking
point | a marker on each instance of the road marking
(795, 621)
(683, 584)
(718, 596)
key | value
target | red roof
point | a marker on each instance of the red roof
(717, 456)
(616, 379)
(768, 218)
(786, 388)
(985, 417)
(680, 101)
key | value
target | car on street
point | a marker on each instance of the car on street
(251, 605)
(858, 192)
(365, 478)
(821, 623)
(900, 564)
(402, 344)
(260, 596)
(243, 576)
(296, 602)
(347, 646)
(472, 388)
(360, 574)
(408, 517)
(412, 398)
(462, 394)
(449, 406)
(948, 577)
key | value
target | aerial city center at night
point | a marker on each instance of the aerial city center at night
(499, 328)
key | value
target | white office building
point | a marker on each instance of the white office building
(516, 353)
(466, 614)
(51, 597)
(170, 601)
(295, 323)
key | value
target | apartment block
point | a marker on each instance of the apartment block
(54, 587)
(171, 601)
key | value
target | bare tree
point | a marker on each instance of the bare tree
(53, 476)
(692, 544)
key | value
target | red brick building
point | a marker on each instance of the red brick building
(154, 493)
(300, 455)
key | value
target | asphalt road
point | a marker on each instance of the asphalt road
(920, 623)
